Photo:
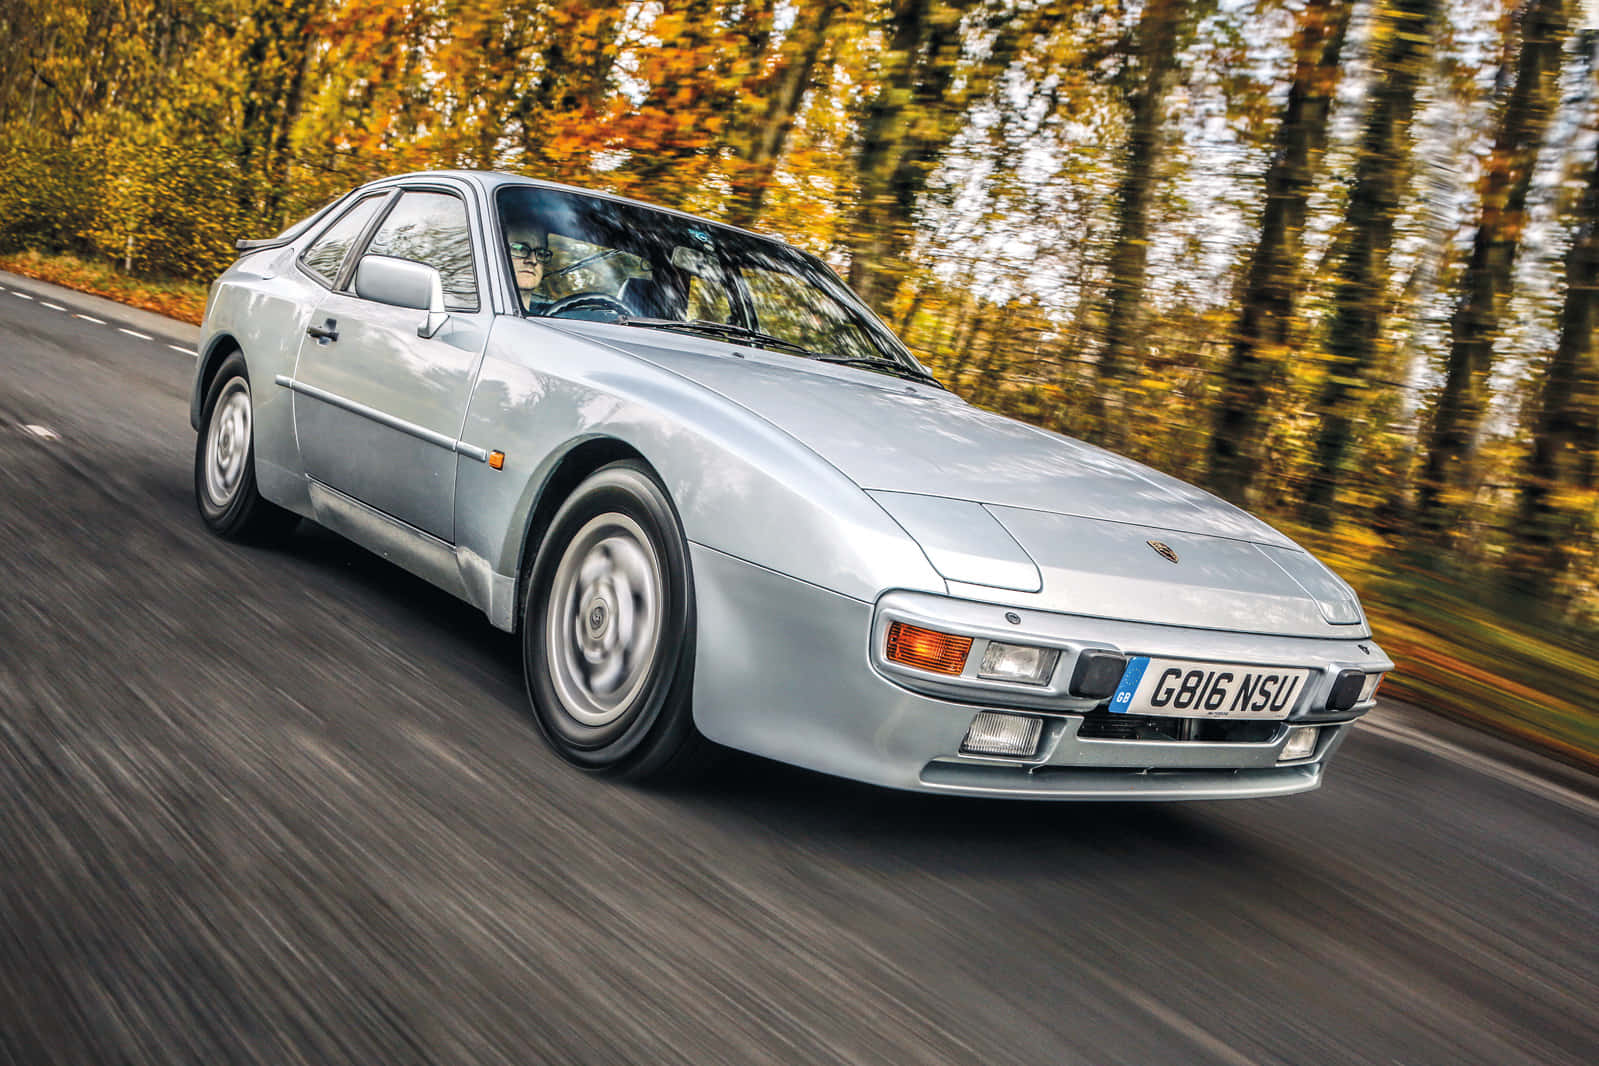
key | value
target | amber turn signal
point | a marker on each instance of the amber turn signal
(927, 649)
(497, 460)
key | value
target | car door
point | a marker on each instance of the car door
(377, 407)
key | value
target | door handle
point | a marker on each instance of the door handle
(328, 331)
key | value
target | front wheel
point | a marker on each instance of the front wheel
(608, 631)
(224, 462)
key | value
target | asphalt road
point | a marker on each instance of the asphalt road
(285, 806)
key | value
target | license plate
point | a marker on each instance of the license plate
(1180, 689)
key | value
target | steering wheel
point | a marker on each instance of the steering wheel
(585, 261)
(596, 300)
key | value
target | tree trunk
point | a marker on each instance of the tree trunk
(1556, 503)
(1151, 70)
(577, 65)
(927, 85)
(275, 56)
(1403, 31)
(887, 187)
(1487, 282)
(293, 102)
(761, 143)
(1265, 318)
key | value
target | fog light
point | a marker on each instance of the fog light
(1369, 690)
(1016, 662)
(1003, 734)
(1301, 744)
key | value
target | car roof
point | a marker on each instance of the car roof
(491, 181)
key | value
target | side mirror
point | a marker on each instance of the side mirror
(403, 283)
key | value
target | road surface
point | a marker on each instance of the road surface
(285, 806)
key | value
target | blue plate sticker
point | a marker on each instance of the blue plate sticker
(1134, 674)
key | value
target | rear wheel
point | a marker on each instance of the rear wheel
(224, 462)
(608, 631)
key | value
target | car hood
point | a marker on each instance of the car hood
(1016, 515)
(894, 435)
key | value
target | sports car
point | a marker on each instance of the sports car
(723, 506)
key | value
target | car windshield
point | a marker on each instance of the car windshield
(584, 257)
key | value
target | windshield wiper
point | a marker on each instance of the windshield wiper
(703, 327)
(887, 366)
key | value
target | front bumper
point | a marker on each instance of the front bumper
(1079, 783)
(785, 670)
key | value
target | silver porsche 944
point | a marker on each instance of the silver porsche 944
(722, 505)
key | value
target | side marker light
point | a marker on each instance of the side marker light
(497, 460)
(927, 649)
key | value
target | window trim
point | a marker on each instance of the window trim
(294, 232)
(346, 281)
(360, 240)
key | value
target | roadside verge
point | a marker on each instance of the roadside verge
(99, 310)
(182, 300)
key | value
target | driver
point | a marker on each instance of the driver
(530, 250)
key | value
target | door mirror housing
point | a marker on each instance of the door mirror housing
(403, 283)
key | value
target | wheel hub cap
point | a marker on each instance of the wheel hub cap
(227, 443)
(604, 620)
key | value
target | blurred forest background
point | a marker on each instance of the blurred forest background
(1336, 260)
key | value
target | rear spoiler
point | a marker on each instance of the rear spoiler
(294, 231)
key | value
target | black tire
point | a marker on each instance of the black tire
(224, 480)
(589, 589)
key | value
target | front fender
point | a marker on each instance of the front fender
(741, 485)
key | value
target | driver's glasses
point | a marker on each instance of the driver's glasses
(522, 250)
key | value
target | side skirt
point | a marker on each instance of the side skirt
(460, 573)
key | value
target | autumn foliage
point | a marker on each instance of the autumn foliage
(1334, 259)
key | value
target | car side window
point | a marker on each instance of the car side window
(327, 252)
(431, 228)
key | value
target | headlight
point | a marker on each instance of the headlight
(1018, 662)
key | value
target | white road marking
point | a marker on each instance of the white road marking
(51, 306)
(24, 295)
(89, 318)
(42, 432)
(133, 333)
(1385, 725)
(185, 351)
